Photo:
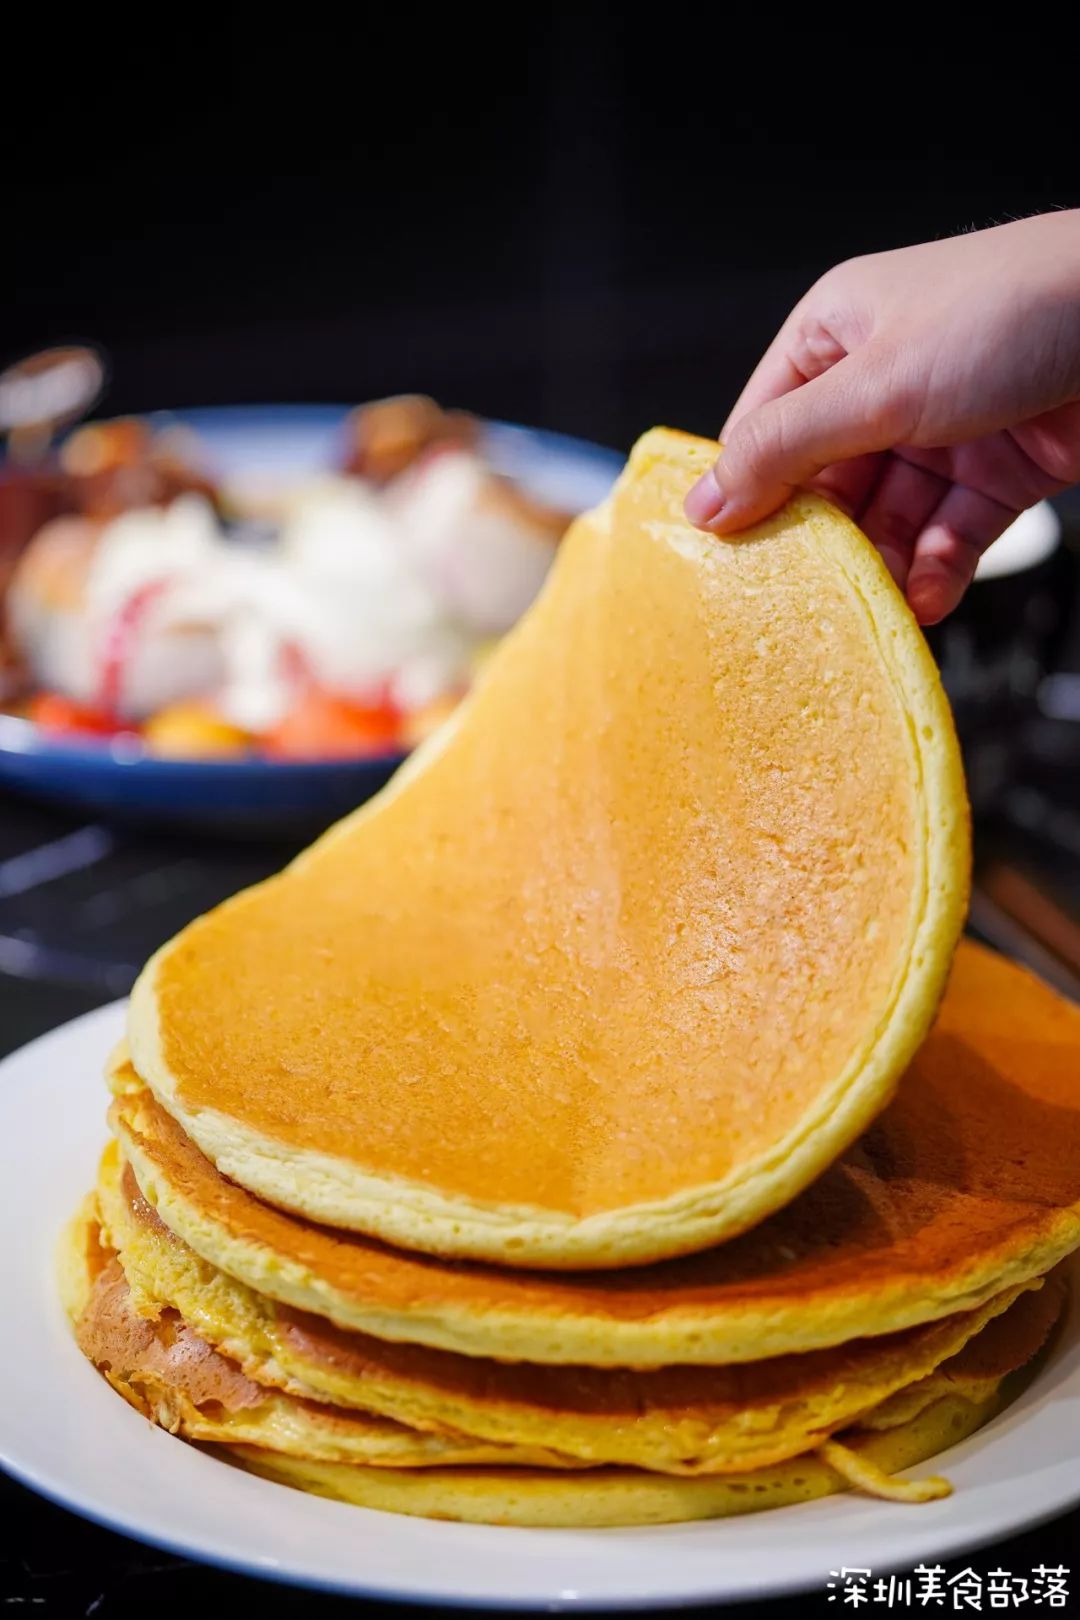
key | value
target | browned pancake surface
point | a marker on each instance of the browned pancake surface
(976, 1160)
(164, 1351)
(714, 1392)
(1012, 1339)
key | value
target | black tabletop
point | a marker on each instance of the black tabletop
(81, 906)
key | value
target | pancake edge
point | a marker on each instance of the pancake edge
(663, 1338)
(307, 1429)
(609, 1498)
(689, 1438)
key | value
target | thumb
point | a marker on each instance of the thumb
(850, 410)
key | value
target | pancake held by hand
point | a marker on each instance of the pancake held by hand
(623, 960)
(968, 1184)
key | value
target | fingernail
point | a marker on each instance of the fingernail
(927, 601)
(705, 501)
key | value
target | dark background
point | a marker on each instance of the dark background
(584, 218)
(566, 217)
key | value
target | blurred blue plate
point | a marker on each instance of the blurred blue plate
(260, 445)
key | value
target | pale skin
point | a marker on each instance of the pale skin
(933, 393)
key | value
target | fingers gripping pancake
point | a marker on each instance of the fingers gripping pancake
(968, 1184)
(171, 1375)
(624, 961)
(688, 1419)
(605, 1498)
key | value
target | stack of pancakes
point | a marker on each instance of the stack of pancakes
(563, 1139)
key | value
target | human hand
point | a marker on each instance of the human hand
(932, 393)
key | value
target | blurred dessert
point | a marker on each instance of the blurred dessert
(119, 616)
(115, 467)
(385, 438)
(349, 630)
(484, 544)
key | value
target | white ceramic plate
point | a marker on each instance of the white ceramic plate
(65, 1434)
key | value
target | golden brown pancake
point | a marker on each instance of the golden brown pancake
(1009, 1340)
(605, 1497)
(968, 1184)
(904, 1431)
(174, 1377)
(635, 948)
(675, 1419)
(168, 1372)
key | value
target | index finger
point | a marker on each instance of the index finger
(802, 349)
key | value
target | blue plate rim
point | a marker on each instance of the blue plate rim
(24, 739)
